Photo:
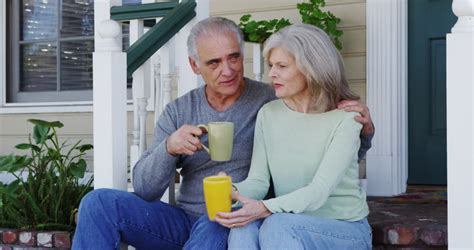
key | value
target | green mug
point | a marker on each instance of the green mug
(221, 140)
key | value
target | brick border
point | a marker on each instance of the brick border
(13, 238)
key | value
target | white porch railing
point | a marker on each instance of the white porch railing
(152, 87)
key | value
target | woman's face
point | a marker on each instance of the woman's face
(287, 79)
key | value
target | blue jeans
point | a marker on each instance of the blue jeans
(108, 217)
(297, 231)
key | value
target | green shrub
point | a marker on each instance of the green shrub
(47, 187)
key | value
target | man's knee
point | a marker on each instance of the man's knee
(204, 225)
(98, 201)
(95, 197)
(206, 234)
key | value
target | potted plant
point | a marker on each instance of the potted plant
(47, 186)
(259, 31)
(311, 13)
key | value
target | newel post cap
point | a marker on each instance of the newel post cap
(464, 10)
(110, 33)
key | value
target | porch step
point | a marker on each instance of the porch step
(416, 220)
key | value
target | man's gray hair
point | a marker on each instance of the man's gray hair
(209, 27)
(318, 59)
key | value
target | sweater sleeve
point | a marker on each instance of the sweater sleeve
(365, 145)
(255, 186)
(155, 168)
(340, 154)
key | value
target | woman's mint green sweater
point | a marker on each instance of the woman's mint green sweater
(312, 159)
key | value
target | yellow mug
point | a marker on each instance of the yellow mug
(217, 194)
(221, 140)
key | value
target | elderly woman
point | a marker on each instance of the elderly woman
(309, 149)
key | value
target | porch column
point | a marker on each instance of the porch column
(460, 127)
(387, 161)
(110, 100)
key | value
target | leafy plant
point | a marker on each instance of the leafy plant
(259, 31)
(310, 12)
(47, 187)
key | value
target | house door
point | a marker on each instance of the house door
(428, 23)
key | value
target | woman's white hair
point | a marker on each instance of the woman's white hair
(318, 59)
(209, 27)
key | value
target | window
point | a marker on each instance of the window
(49, 50)
(50, 47)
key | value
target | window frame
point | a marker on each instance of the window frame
(13, 94)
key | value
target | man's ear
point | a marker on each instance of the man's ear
(194, 66)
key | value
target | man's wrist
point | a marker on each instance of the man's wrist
(369, 131)
(167, 150)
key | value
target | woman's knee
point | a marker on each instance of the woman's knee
(275, 230)
(244, 237)
(279, 221)
(242, 233)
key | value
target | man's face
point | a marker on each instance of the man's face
(220, 64)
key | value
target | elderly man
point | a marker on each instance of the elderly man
(108, 217)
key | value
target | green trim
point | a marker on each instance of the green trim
(142, 11)
(165, 29)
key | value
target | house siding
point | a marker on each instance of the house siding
(14, 128)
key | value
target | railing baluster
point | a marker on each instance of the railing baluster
(167, 88)
(158, 88)
(135, 31)
(142, 113)
(134, 155)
